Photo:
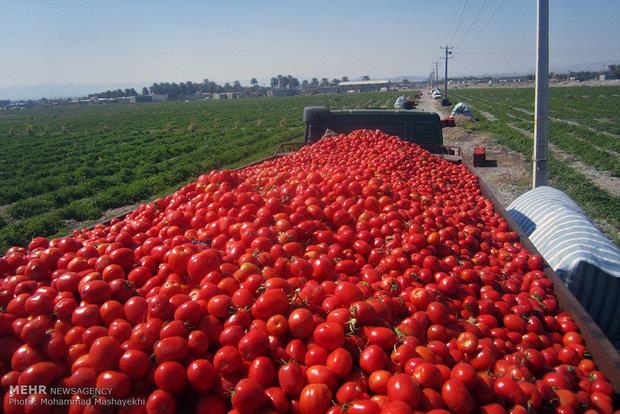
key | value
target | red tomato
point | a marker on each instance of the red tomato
(248, 397)
(340, 362)
(160, 402)
(117, 383)
(329, 335)
(373, 358)
(177, 259)
(104, 354)
(315, 398)
(171, 377)
(200, 264)
(457, 397)
(201, 375)
(291, 378)
(402, 387)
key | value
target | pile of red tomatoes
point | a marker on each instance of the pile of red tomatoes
(357, 275)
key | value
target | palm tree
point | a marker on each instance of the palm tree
(274, 82)
(305, 84)
(190, 88)
(335, 81)
(280, 77)
(324, 81)
(344, 79)
(314, 82)
(254, 82)
(284, 82)
(237, 85)
(365, 78)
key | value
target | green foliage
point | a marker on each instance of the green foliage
(115, 155)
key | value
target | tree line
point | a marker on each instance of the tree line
(187, 89)
(117, 93)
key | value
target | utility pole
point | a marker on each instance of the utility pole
(541, 100)
(445, 101)
(436, 73)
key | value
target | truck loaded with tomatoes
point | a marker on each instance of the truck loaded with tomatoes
(360, 274)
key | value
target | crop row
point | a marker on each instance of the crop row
(595, 107)
(593, 149)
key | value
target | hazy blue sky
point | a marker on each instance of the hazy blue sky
(144, 41)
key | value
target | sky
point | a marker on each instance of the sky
(102, 42)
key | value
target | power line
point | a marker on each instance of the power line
(555, 52)
(472, 24)
(456, 15)
(486, 24)
(459, 23)
(445, 101)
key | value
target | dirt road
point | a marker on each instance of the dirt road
(508, 179)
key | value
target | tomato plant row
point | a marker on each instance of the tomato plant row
(592, 106)
(593, 149)
(360, 274)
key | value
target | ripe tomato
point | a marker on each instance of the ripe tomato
(227, 360)
(457, 397)
(315, 398)
(373, 358)
(377, 382)
(134, 363)
(173, 348)
(104, 354)
(401, 387)
(262, 371)
(118, 383)
(160, 402)
(248, 396)
(291, 378)
(329, 335)
(170, 376)
(340, 362)
(200, 264)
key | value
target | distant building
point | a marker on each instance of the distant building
(606, 76)
(148, 98)
(363, 86)
(159, 98)
(227, 95)
(203, 96)
(282, 92)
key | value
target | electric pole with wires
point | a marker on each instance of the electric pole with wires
(436, 74)
(541, 97)
(445, 101)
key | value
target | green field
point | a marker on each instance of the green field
(584, 130)
(65, 165)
